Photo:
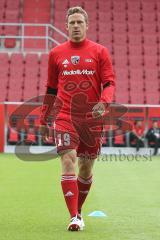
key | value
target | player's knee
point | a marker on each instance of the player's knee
(68, 161)
(85, 171)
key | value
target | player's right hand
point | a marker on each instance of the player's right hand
(44, 132)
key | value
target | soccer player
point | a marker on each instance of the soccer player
(80, 73)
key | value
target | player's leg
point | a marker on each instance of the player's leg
(84, 179)
(66, 141)
(70, 188)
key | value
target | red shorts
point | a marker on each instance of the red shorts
(79, 136)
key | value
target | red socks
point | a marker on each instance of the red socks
(70, 191)
(83, 187)
(75, 192)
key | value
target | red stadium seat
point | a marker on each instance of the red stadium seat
(135, 50)
(73, 3)
(119, 6)
(134, 39)
(150, 50)
(59, 6)
(134, 28)
(120, 50)
(120, 39)
(153, 98)
(31, 76)
(121, 62)
(104, 6)
(149, 17)
(16, 77)
(150, 40)
(149, 28)
(4, 75)
(122, 98)
(119, 17)
(90, 6)
(134, 17)
(133, 6)
(105, 39)
(150, 62)
(135, 62)
(104, 17)
(119, 28)
(148, 7)
(137, 98)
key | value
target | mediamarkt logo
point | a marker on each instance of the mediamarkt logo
(78, 72)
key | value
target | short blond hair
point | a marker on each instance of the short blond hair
(77, 9)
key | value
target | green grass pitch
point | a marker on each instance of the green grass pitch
(32, 205)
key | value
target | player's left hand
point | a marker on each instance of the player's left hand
(98, 110)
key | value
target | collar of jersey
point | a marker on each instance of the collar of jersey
(79, 44)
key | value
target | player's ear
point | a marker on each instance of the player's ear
(66, 26)
(87, 25)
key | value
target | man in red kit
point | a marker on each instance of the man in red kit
(80, 74)
(137, 135)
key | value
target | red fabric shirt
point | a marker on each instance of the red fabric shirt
(76, 68)
(139, 131)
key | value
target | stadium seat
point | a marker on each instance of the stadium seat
(104, 17)
(31, 76)
(119, 28)
(134, 18)
(121, 62)
(150, 62)
(90, 6)
(104, 6)
(150, 50)
(134, 39)
(73, 3)
(135, 62)
(120, 50)
(133, 6)
(134, 28)
(119, 17)
(61, 6)
(105, 39)
(119, 6)
(135, 50)
(120, 39)
(148, 7)
(149, 28)
(137, 98)
(150, 40)
(43, 73)
(16, 77)
(4, 63)
(149, 17)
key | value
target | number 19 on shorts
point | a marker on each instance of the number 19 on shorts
(63, 139)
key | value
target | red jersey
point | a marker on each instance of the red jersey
(139, 131)
(76, 68)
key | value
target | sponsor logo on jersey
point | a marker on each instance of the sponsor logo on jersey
(75, 59)
(65, 62)
(78, 72)
(88, 60)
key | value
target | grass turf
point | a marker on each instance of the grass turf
(32, 205)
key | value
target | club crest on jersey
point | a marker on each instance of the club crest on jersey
(75, 59)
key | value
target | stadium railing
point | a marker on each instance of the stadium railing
(22, 36)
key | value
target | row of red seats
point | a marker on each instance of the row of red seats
(22, 77)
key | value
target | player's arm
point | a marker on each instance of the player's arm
(50, 94)
(107, 77)
(108, 83)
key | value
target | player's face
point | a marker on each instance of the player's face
(77, 27)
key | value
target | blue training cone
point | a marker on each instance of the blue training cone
(97, 214)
